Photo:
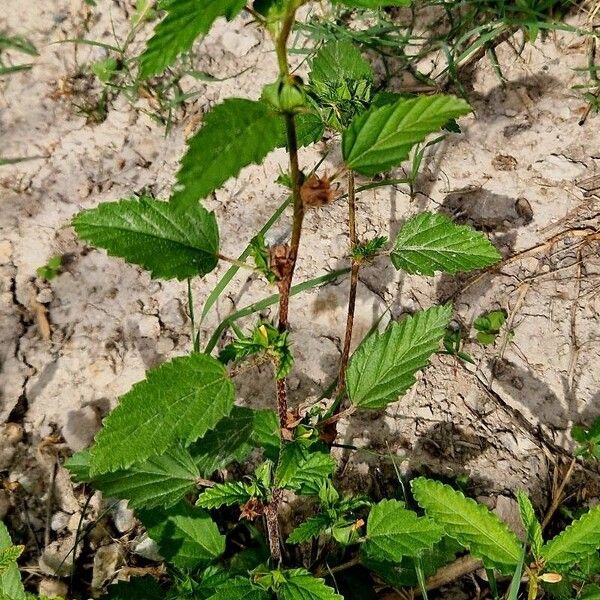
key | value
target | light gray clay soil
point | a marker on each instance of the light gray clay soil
(69, 348)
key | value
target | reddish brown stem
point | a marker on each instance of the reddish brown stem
(353, 286)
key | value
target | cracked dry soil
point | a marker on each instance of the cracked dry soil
(522, 170)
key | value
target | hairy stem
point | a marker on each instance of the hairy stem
(353, 285)
(285, 283)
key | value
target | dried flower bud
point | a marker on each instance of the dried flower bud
(253, 509)
(316, 192)
(280, 261)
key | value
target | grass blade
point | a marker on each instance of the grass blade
(269, 301)
(232, 271)
(515, 584)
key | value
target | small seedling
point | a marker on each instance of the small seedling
(488, 326)
(51, 269)
(588, 439)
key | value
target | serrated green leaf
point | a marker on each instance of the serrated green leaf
(470, 523)
(430, 242)
(303, 470)
(186, 536)
(299, 584)
(10, 579)
(235, 134)
(394, 532)
(8, 557)
(240, 588)
(530, 522)
(177, 402)
(580, 538)
(159, 481)
(184, 22)
(382, 137)
(170, 242)
(339, 61)
(230, 493)
(137, 588)
(403, 574)
(231, 440)
(311, 528)
(384, 366)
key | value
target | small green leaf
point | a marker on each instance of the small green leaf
(430, 242)
(235, 134)
(185, 21)
(382, 137)
(384, 365)
(240, 588)
(137, 588)
(303, 470)
(311, 528)
(232, 439)
(171, 243)
(10, 578)
(8, 557)
(339, 61)
(471, 524)
(178, 401)
(105, 70)
(577, 541)
(230, 493)
(186, 536)
(394, 532)
(530, 522)
(299, 584)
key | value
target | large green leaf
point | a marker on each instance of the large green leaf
(394, 532)
(235, 133)
(184, 22)
(10, 579)
(337, 62)
(470, 523)
(430, 242)
(299, 584)
(159, 481)
(168, 241)
(178, 401)
(186, 536)
(576, 542)
(384, 365)
(382, 137)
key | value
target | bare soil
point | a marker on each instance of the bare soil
(69, 348)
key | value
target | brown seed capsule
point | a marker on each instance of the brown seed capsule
(253, 509)
(280, 261)
(316, 192)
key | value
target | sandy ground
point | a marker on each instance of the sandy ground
(68, 349)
